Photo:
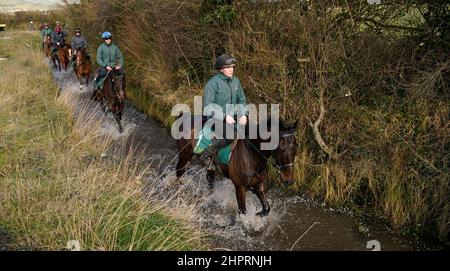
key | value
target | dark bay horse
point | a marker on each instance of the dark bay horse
(113, 93)
(82, 67)
(247, 168)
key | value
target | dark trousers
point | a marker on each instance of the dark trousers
(102, 72)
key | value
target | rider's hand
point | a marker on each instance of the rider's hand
(230, 120)
(117, 67)
(58, 43)
(108, 68)
(243, 120)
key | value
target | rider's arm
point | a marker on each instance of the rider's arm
(241, 100)
(119, 57)
(73, 44)
(209, 98)
(85, 44)
(209, 93)
(100, 57)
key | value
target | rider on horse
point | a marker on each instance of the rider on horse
(58, 38)
(47, 31)
(78, 42)
(108, 57)
(223, 89)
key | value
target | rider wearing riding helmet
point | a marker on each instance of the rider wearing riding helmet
(221, 90)
(58, 38)
(46, 31)
(78, 42)
(108, 57)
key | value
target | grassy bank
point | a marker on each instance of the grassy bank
(380, 72)
(55, 184)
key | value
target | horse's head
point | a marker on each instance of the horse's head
(118, 82)
(80, 53)
(80, 56)
(286, 151)
(48, 40)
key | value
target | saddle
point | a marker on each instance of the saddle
(223, 155)
(99, 81)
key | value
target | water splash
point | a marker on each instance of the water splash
(216, 209)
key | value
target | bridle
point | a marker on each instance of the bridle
(279, 167)
(112, 80)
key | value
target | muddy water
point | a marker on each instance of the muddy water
(295, 223)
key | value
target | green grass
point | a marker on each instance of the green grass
(50, 192)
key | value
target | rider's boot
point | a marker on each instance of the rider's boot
(94, 93)
(207, 155)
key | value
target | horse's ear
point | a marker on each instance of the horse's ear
(281, 123)
(291, 126)
(295, 125)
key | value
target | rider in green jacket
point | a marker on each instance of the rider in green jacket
(46, 31)
(221, 90)
(108, 57)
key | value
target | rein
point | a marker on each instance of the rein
(279, 167)
(112, 81)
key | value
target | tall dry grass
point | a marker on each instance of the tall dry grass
(56, 184)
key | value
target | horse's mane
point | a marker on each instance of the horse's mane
(109, 83)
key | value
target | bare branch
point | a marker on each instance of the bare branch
(316, 130)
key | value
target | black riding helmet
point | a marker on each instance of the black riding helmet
(224, 61)
(77, 30)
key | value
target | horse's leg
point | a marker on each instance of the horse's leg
(80, 78)
(210, 178)
(53, 58)
(106, 109)
(184, 156)
(240, 196)
(118, 117)
(102, 104)
(260, 192)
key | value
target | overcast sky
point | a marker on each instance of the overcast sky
(15, 5)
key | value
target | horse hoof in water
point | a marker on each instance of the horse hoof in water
(81, 86)
(263, 213)
(210, 179)
(242, 211)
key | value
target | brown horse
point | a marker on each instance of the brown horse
(247, 168)
(63, 53)
(82, 66)
(113, 92)
(48, 47)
